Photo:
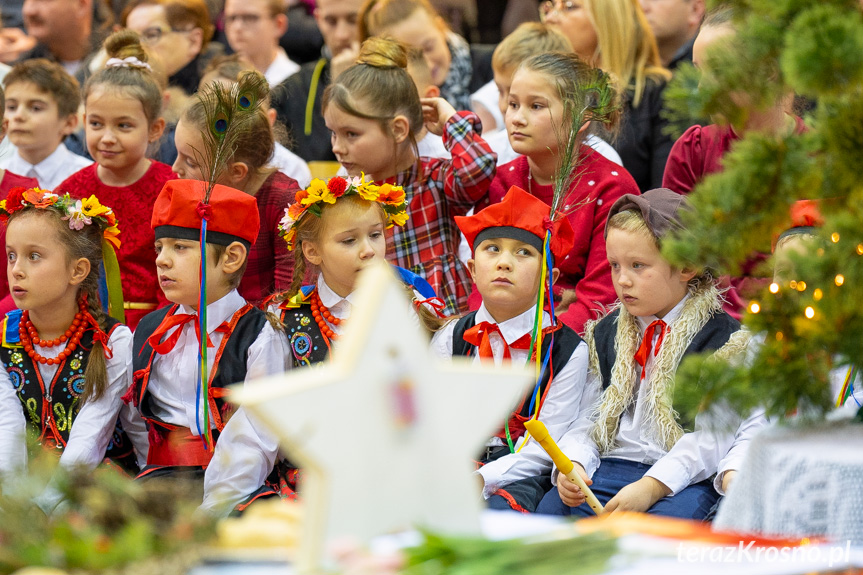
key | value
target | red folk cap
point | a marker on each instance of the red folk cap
(232, 215)
(522, 217)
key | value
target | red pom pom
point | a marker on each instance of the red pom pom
(337, 186)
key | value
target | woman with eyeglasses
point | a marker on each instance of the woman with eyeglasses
(614, 35)
(179, 33)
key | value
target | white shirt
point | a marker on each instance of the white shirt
(431, 146)
(290, 164)
(695, 457)
(499, 143)
(51, 171)
(94, 425)
(488, 96)
(280, 68)
(567, 402)
(246, 450)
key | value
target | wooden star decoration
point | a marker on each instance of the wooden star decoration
(384, 433)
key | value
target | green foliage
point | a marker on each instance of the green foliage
(812, 321)
(107, 522)
(440, 555)
(824, 51)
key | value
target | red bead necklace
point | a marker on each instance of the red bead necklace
(72, 336)
(321, 313)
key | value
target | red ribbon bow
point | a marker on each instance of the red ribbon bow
(205, 211)
(647, 342)
(102, 337)
(436, 303)
(178, 320)
(478, 336)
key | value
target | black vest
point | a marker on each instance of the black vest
(563, 342)
(308, 344)
(229, 367)
(51, 406)
(712, 336)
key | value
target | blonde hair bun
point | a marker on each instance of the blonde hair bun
(383, 53)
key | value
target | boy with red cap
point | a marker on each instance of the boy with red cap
(507, 242)
(188, 419)
(646, 461)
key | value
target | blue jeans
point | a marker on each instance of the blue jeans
(694, 502)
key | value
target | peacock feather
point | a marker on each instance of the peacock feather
(595, 101)
(228, 111)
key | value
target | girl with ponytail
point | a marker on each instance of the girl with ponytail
(67, 364)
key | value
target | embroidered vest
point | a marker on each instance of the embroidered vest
(563, 342)
(712, 336)
(51, 406)
(229, 366)
(308, 344)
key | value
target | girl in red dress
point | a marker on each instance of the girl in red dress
(122, 107)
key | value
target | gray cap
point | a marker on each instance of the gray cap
(660, 208)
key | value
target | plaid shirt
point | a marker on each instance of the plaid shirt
(437, 190)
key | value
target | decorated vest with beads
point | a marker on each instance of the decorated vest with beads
(308, 343)
(51, 406)
(229, 366)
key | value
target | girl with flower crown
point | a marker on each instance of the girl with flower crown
(338, 228)
(66, 363)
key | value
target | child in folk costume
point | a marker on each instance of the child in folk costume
(374, 113)
(184, 409)
(648, 462)
(508, 240)
(339, 229)
(66, 363)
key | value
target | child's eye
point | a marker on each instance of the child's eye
(513, 105)
(347, 241)
(537, 106)
(35, 256)
(94, 124)
(10, 257)
(637, 265)
(613, 265)
(376, 234)
(10, 107)
(492, 248)
(126, 126)
(351, 134)
(524, 252)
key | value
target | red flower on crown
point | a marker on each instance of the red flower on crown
(13, 200)
(337, 186)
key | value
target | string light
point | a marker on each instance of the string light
(801, 286)
(809, 312)
(792, 284)
(774, 287)
(834, 237)
(860, 249)
(780, 336)
(817, 294)
(839, 279)
(754, 307)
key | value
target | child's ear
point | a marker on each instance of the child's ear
(555, 274)
(80, 271)
(311, 253)
(401, 128)
(156, 130)
(686, 274)
(281, 24)
(69, 125)
(237, 174)
(271, 116)
(234, 258)
(471, 268)
(431, 91)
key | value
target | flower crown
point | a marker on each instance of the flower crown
(78, 213)
(318, 194)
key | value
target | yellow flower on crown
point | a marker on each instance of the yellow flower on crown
(92, 208)
(369, 192)
(398, 219)
(318, 192)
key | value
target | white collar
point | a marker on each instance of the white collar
(669, 319)
(329, 298)
(515, 327)
(44, 169)
(280, 68)
(220, 310)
